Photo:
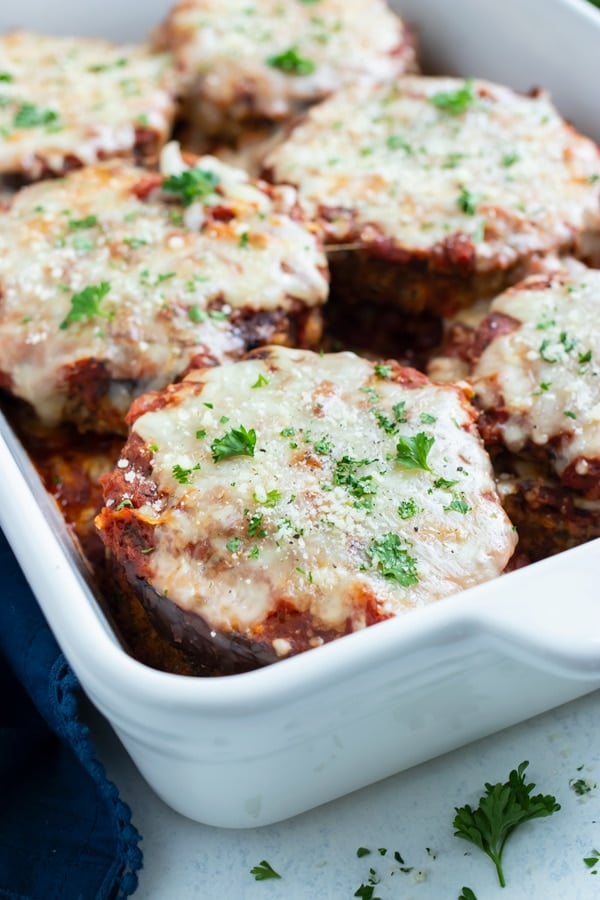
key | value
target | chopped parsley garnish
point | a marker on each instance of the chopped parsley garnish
(263, 871)
(444, 483)
(570, 414)
(124, 504)
(466, 894)
(362, 851)
(323, 446)
(399, 410)
(455, 102)
(545, 323)
(233, 545)
(104, 67)
(408, 509)
(255, 526)
(272, 499)
(546, 352)
(412, 452)
(287, 432)
(584, 357)
(382, 420)
(86, 304)
(87, 222)
(393, 559)
(201, 433)
(467, 201)
(195, 314)
(261, 381)
(183, 475)
(501, 810)
(193, 184)
(307, 575)
(543, 351)
(382, 371)
(592, 860)
(291, 62)
(509, 159)
(6, 77)
(254, 552)
(244, 240)
(30, 116)
(237, 442)
(134, 242)
(458, 504)
(361, 487)
(427, 419)
(395, 142)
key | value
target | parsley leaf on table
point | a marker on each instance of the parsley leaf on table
(263, 871)
(501, 810)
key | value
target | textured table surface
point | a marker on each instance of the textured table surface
(410, 813)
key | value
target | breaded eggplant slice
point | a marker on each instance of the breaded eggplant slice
(243, 62)
(436, 192)
(549, 517)
(263, 508)
(69, 102)
(114, 281)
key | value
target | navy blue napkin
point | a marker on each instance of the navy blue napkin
(64, 832)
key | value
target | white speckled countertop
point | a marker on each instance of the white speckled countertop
(316, 852)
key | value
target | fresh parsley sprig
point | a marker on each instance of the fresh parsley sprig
(501, 810)
(237, 442)
(412, 452)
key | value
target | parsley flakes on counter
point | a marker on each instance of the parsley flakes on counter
(264, 871)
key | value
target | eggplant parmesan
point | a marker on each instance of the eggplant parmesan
(533, 363)
(114, 281)
(241, 62)
(68, 102)
(435, 192)
(536, 377)
(265, 507)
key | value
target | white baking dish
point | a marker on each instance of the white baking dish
(252, 749)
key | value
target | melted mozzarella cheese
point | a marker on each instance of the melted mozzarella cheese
(299, 518)
(172, 288)
(78, 98)
(404, 163)
(227, 52)
(546, 373)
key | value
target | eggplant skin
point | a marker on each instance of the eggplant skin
(222, 653)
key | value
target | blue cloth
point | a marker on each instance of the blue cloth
(64, 832)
